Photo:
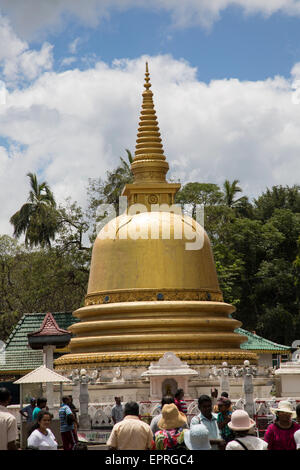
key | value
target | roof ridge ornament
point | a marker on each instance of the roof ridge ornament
(49, 327)
(49, 334)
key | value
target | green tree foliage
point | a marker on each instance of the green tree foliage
(72, 228)
(210, 197)
(39, 281)
(230, 191)
(265, 249)
(296, 265)
(37, 219)
(199, 193)
(108, 191)
(279, 197)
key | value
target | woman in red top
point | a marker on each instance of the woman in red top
(280, 435)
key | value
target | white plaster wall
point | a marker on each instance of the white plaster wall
(290, 385)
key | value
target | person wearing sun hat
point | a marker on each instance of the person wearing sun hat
(241, 424)
(197, 438)
(280, 435)
(171, 433)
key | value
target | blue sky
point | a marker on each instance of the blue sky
(248, 47)
(225, 76)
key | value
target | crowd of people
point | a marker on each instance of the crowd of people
(213, 428)
(40, 436)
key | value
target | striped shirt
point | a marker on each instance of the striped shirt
(64, 411)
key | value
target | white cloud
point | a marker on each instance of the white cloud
(10, 44)
(73, 46)
(17, 60)
(3, 92)
(34, 18)
(68, 61)
(73, 125)
(29, 64)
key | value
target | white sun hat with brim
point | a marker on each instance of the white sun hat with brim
(196, 438)
(286, 407)
(240, 421)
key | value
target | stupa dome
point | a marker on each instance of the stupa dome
(158, 261)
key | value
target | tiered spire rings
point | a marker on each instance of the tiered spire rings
(149, 164)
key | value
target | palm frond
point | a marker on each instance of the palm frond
(21, 219)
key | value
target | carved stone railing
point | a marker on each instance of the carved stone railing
(100, 413)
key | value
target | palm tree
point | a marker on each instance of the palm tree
(117, 179)
(37, 219)
(230, 190)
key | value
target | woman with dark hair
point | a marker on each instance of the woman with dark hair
(224, 417)
(179, 401)
(41, 437)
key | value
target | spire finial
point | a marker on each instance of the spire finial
(147, 83)
(149, 163)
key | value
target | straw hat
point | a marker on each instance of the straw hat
(196, 438)
(171, 417)
(284, 406)
(240, 421)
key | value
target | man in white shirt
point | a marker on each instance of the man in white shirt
(117, 412)
(209, 420)
(131, 433)
(8, 423)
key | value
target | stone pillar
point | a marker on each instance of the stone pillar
(84, 418)
(48, 362)
(248, 388)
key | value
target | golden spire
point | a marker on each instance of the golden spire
(149, 163)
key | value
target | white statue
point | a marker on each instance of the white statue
(223, 373)
(224, 381)
(83, 378)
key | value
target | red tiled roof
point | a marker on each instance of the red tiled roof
(49, 328)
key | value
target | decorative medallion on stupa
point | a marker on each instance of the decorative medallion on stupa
(147, 293)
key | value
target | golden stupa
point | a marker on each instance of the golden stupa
(149, 294)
